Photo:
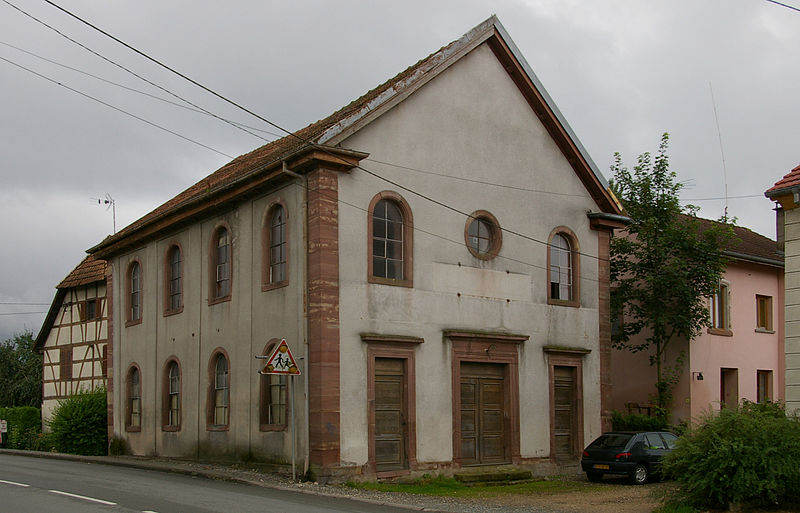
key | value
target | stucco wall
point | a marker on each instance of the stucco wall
(471, 122)
(747, 350)
(241, 327)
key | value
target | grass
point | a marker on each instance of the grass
(448, 486)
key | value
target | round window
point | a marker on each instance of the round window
(483, 235)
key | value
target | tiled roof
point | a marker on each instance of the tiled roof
(88, 271)
(271, 152)
(748, 243)
(792, 179)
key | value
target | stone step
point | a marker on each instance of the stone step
(493, 476)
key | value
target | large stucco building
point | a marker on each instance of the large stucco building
(740, 356)
(435, 255)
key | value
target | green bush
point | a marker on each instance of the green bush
(637, 422)
(79, 424)
(24, 426)
(746, 456)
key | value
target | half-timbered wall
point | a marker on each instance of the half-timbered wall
(74, 353)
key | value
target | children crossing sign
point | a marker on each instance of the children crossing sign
(281, 361)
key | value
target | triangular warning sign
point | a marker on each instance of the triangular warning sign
(281, 361)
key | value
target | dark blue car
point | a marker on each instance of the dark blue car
(636, 454)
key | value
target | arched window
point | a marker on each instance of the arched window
(483, 235)
(273, 397)
(276, 248)
(391, 240)
(219, 400)
(563, 266)
(171, 402)
(134, 292)
(174, 280)
(133, 419)
(221, 264)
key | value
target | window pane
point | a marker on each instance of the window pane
(393, 212)
(394, 250)
(379, 267)
(394, 231)
(379, 247)
(394, 269)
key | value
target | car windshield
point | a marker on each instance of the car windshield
(611, 441)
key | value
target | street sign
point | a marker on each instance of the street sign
(281, 361)
(3, 426)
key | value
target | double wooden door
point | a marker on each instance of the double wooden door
(483, 418)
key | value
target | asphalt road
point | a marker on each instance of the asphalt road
(33, 485)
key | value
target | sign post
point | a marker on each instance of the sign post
(3, 432)
(281, 361)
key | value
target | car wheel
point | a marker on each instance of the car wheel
(639, 475)
(594, 477)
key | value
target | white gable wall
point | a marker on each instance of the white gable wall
(471, 122)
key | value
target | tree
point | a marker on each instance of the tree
(663, 268)
(20, 372)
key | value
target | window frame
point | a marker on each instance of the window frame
(408, 240)
(267, 280)
(214, 295)
(766, 388)
(211, 399)
(720, 310)
(574, 270)
(130, 426)
(265, 395)
(64, 368)
(170, 279)
(495, 236)
(134, 308)
(764, 325)
(167, 423)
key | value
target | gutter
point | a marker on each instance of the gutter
(753, 258)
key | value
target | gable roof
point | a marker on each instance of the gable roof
(785, 189)
(748, 245)
(90, 270)
(281, 159)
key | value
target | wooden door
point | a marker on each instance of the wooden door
(483, 425)
(565, 412)
(390, 414)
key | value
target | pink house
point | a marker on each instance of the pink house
(741, 356)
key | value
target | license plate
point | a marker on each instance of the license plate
(601, 467)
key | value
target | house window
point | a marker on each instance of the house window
(172, 397)
(273, 397)
(390, 240)
(134, 293)
(221, 392)
(104, 361)
(720, 322)
(174, 286)
(387, 241)
(221, 267)
(65, 363)
(91, 310)
(763, 313)
(134, 403)
(563, 268)
(483, 235)
(276, 246)
(728, 388)
(763, 386)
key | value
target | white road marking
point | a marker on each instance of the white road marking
(148, 511)
(15, 484)
(92, 499)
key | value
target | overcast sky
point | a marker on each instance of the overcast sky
(621, 71)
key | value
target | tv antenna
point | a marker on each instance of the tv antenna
(109, 202)
(721, 151)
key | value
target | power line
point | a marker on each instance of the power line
(85, 95)
(784, 5)
(134, 90)
(292, 134)
(23, 304)
(126, 69)
(23, 313)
